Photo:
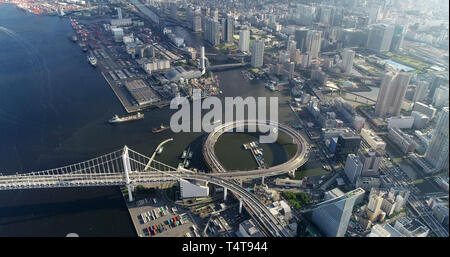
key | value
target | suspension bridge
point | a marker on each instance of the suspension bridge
(126, 167)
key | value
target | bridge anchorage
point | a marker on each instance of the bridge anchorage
(126, 167)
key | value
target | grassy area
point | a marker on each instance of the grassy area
(408, 60)
(397, 160)
(225, 47)
(310, 173)
(296, 200)
(254, 70)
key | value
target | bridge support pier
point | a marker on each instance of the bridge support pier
(225, 191)
(130, 193)
(240, 205)
(292, 173)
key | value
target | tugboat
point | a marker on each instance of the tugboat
(116, 119)
(160, 129)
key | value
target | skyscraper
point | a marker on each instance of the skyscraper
(440, 97)
(347, 60)
(257, 58)
(437, 151)
(380, 37)
(397, 38)
(309, 41)
(316, 40)
(421, 91)
(228, 29)
(196, 23)
(332, 216)
(215, 15)
(244, 40)
(392, 92)
(119, 13)
(211, 32)
(353, 168)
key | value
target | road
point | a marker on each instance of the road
(300, 157)
(417, 203)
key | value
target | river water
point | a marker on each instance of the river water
(53, 108)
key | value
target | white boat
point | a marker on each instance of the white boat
(92, 60)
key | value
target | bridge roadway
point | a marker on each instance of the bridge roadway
(35, 181)
(300, 157)
(225, 66)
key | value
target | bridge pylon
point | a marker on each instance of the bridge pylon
(127, 169)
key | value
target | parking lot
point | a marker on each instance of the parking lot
(153, 217)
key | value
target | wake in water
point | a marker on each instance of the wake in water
(38, 65)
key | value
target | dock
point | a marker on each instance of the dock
(256, 152)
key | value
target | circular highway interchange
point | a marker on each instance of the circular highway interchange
(299, 158)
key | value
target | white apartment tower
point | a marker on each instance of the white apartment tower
(437, 152)
(257, 58)
(347, 60)
(392, 92)
(244, 40)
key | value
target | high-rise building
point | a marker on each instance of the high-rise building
(440, 97)
(197, 23)
(332, 216)
(373, 209)
(373, 12)
(257, 53)
(316, 40)
(353, 168)
(119, 13)
(380, 37)
(438, 81)
(392, 92)
(228, 29)
(244, 40)
(301, 36)
(397, 38)
(370, 160)
(437, 152)
(309, 41)
(215, 15)
(347, 60)
(421, 91)
(347, 143)
(304, 14)
(211, 32)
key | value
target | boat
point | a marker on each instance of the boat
(186, 163)
(189, 155)
(183, 155)
(160, 150)
(92, 60)
(160, 129)
(117, 119)
(73, 38)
